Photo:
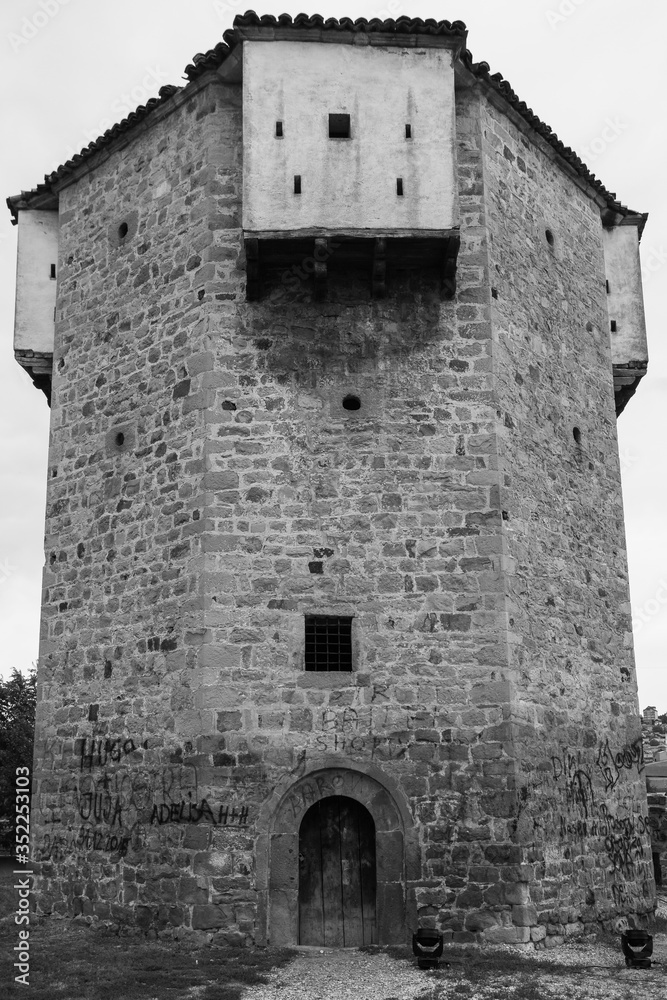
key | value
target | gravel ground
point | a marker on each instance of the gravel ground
(338, 974)
(598, 972)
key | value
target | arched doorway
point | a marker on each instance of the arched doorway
(398, 856)
(337, 877)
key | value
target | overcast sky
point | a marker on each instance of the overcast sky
(592, 69)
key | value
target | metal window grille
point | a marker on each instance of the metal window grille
(328, 643)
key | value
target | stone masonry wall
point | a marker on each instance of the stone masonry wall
(388, 513)
(184, 559)
(577, 722)
(125, 515)
(175, 717)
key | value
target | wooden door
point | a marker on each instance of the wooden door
(337, 874)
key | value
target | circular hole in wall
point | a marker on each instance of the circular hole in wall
(549, 236)
(123, 230)
(120, 439)
(351, 403)
(576, 434)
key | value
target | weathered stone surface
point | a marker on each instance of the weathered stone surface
(476, 545)
(524, 915)
(209, 917)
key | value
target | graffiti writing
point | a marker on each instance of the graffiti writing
(99, 753)
(624, 836)
(384, 747)
(612, 764)
(191, 812)
(57, 846)
(118, 799)
(346, 721)
(605, 825)
(579, 791)
(321, 785)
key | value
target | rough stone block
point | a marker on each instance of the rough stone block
(208, 917)
(481, 920)
(507, 935)
(524, 915)
(213, 863)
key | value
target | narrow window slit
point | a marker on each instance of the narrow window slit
(399, 186)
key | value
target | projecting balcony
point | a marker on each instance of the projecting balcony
(280, 260)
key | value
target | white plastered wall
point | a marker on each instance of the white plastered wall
(347, 184)
(625, 300)
(35, 288)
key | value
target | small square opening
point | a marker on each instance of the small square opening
(339, 126)
(328, 643)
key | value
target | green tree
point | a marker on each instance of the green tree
(17, 733)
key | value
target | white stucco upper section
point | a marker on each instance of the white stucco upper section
(35, 288)
(625, 300)
(347, 184)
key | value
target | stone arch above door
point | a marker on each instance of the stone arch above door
(397, 855)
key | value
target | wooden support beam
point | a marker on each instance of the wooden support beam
(320, 256)
(253, 281)
(379, 279)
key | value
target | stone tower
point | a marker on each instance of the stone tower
(336, 633)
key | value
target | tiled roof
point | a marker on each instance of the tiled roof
(41, 195)
(496, 80)
(203, 62)
(405, 26)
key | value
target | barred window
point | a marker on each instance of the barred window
(328, 643)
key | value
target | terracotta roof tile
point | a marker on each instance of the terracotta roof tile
(496, 80)
(202, 63)
(43, 193)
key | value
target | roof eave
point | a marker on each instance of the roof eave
(500, 92)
